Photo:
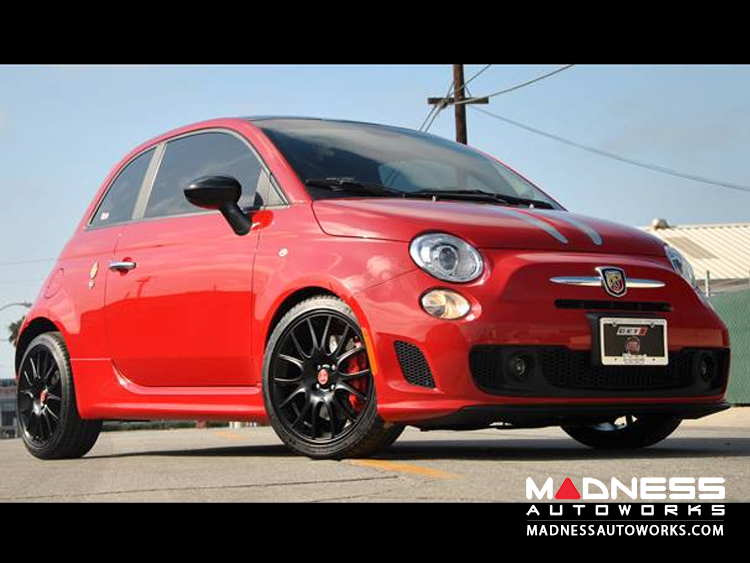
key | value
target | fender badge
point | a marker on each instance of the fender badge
(92, 274)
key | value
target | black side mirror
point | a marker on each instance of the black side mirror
(222, 193)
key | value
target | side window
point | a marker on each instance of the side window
(266, 195)
(119, 201)
(202, 154)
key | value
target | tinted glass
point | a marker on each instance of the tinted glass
(119, 202)
(398, 158)
(267, 196)
(204, 154)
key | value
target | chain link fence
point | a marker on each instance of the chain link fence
(734, 309)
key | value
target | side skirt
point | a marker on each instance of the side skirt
(102, 393)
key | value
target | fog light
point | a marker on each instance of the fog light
(706, 367)
(445, 304)
(520, 366)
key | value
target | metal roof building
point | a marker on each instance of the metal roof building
(722, 251)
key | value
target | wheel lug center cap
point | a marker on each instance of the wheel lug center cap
(324, 376)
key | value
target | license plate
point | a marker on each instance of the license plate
(629, 342)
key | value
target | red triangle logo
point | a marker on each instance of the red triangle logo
(567, 491)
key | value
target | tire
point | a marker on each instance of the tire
(330, 412)
(46, 410)
(636, 433)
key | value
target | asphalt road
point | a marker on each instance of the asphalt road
(251, 464)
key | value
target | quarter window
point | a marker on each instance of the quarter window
(266, 195)
(119, 201)
(203, 154)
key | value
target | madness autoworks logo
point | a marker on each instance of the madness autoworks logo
(628, 515)
(643, 488)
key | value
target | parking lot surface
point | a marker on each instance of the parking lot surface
(251, 464)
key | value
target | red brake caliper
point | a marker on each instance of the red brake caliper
(357, 363)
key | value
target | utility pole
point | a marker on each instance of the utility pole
(460, 107)
(458, 95)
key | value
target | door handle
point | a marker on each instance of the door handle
(122, 266)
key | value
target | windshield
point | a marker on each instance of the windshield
(400, 159)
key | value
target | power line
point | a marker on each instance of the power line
(459, 83)
(620, 158)
(437, 108)
(426, 119)
(434, 110)
(522, 84)
(475, 75)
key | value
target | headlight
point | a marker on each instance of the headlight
(446, 257)
(681, 265)
(445, 304)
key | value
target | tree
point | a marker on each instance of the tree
(13, 328)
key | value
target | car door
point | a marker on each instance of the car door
(178, 301)
(89, 252)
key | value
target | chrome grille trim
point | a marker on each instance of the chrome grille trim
(596, 281)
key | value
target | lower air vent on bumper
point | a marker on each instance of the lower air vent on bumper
(556, 371)
(414, 365)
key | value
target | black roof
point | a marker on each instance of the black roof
(292, 118)
(254, 118)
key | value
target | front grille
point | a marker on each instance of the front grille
(414, 365)
(574, 370)
(650, 306)
(556, 370)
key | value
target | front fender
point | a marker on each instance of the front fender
(294, 256)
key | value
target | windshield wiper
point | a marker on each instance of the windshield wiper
(353, 186)
(374, 189)
(481, 195)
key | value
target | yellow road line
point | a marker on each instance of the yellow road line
(381, 464)
(384, 465)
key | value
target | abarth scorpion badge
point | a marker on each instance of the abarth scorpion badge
(613, 281)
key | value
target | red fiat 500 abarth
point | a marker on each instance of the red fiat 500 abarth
(342, 280)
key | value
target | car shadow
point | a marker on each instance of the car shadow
(499, 449)
(560, 449)
(223, 451)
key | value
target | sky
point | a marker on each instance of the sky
(62, 128)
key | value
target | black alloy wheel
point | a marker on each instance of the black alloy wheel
(318, 383)
(46, 407)
(39, 396)
(321, 379)
(626, 432)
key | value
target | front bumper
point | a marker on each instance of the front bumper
(514, 305)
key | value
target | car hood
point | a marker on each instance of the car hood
(483, 225)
